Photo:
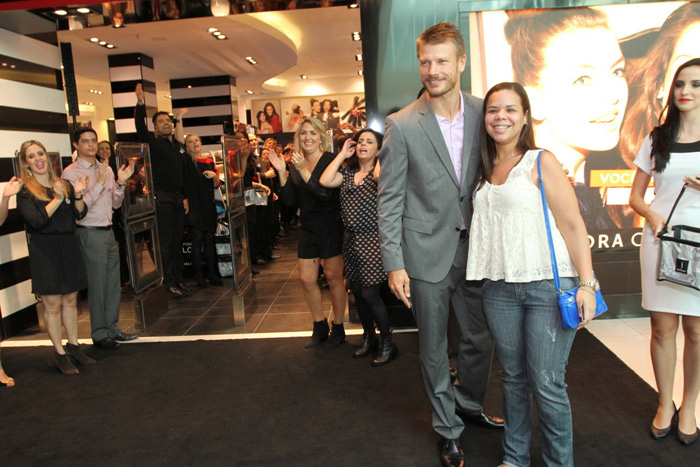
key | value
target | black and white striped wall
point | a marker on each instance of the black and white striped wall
(32, 106)
(210, 102)
(125, 71)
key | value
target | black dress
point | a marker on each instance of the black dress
(361, 250)
(321, 234)
(54, 254)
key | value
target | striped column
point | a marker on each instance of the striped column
(32, 106)
(125, 71)
(212, 102)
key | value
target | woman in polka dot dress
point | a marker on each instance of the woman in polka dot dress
(363, 261)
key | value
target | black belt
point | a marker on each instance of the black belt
(463, 233)
(95, 227)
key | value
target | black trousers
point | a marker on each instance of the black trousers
(170, 213)
(203, 239)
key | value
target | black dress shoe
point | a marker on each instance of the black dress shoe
(260, 261)
(175, 292)
(481, 419)
(124, 337)
(106, 343)
(273, 257)
(254, 271)
(183, 287)
(451, 454)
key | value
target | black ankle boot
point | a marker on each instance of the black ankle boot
(319, 335)
(337, 336)
(387, 351)
(370, 343)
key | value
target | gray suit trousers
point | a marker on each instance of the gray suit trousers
(101, 255)
(431, 306)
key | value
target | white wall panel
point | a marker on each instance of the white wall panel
(29, 96)
(13, 246)
(204, 91)
(16, 297)
(28, 49)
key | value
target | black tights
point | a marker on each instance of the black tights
(371, 308)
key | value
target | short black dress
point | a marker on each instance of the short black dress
(321, 233)
(361, 250)
(55, 259)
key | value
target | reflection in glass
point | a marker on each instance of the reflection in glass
(144, 261)
(138, 199)
(234, 172)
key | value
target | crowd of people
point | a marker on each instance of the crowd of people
(448, 208)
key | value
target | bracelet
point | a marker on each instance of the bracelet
(78, 198)
(586, 290)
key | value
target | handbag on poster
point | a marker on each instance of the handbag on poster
(679, 253)
(566, 299)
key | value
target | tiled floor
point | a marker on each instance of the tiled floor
(274, 303)
(629, 340)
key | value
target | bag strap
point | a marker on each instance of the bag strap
(675, 203)
(545, 208)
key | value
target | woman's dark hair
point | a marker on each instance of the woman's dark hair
(111, 149)
(353, 161)
(665, 135)
(274, 112)
(526, 141)
(646, 78)
(257, 116)
(529, 32)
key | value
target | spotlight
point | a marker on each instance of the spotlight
(110, 46)
(249, 91)
(212, 29)
(356, 36)
(60, 12)
(222, 37)
(304, 77)
(94, 39)
(83, 10)
(358, 57)
(102, 43)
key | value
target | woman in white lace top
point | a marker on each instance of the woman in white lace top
(508, 247)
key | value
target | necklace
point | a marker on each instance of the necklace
(505, 158)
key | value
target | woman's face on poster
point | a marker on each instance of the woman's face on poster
(687, 47)
(582, 93)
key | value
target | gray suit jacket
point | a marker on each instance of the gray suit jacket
(420, 203)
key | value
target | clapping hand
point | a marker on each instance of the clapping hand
(299, 161)
(102, 173)
(125, 172)
(80, 185)
(209, 174)
(276, 161)
(12, 187)
(59, 190)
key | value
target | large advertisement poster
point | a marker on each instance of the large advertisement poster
(339, 112)
(598, 79)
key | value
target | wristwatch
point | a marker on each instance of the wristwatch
(594, 284)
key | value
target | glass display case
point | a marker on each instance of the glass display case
(138, 199)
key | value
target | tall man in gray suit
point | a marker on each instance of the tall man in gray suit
(430, 160)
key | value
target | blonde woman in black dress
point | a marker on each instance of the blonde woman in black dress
(361, 251)
(50, 207)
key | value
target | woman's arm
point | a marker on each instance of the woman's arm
(331, 178)
(11, 189)
(637, 203)
(564, 205)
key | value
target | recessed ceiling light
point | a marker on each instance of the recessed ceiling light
(4, 63)
(13, 66)
(212, 29)
(118, 25)
(189, 86)
(83, 10)
(359, 72)
(353, 5)
(168, 96)
(216, 33)
(356, 36)
(358, 57)
(222, 37)
(94, 39)
(60, 12)
(102, 42)
(249, 91)
(110, 46)
(304, 77)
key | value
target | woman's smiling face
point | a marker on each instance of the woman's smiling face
(582, 91)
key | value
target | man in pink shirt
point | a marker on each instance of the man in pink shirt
(100, 249)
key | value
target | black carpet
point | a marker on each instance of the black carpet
(271, 402)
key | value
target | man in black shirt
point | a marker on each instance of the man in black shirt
(168, 163)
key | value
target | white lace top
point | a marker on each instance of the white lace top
(508, 237)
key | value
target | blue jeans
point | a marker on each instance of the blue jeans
(533, 349)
